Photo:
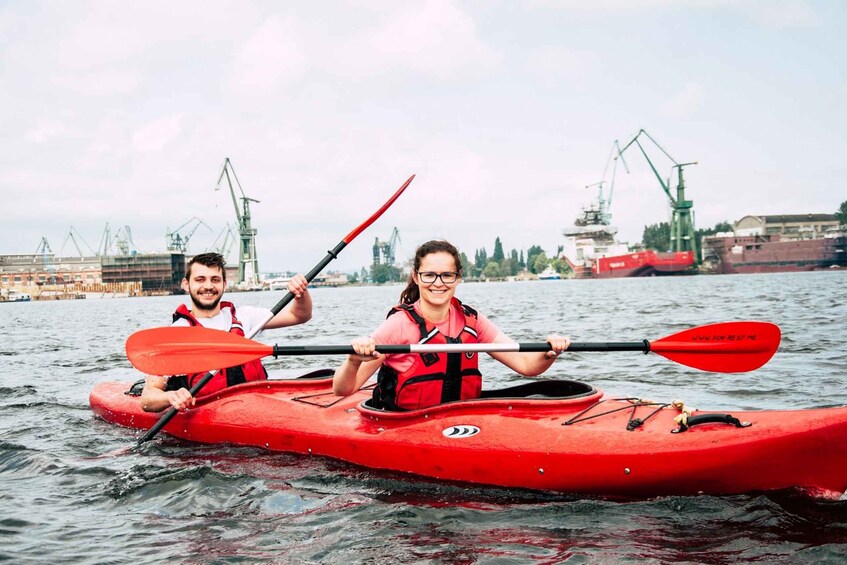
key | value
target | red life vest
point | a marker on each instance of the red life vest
(252, 371)
(433, 378)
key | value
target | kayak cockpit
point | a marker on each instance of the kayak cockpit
(536, 395)
(293, 378)
(543, 389)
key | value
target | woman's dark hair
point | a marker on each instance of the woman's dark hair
(412, 293)
(207, 260)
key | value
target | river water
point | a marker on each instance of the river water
(72, 491)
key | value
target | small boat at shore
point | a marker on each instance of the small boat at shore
(549, 274)
(549, 435)
(280, 283)
(17, 296)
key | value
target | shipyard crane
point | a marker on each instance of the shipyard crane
(223, 246)
(387, 249)
(598, 214)
(178, 240)
(682, 221)
(248, 262)
(105, 242)
(46, 253)
(123, 241)
(72, 237)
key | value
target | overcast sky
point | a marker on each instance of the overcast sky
(123, 112)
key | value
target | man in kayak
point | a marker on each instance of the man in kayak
(429, 313)
(205, 283)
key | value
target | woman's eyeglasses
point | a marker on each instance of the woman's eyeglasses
(428, 277)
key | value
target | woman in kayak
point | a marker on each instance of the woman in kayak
(429, 313)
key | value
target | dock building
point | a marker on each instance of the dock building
(789, 227)
(47, 276)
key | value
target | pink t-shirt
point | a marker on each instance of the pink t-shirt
(399, 329)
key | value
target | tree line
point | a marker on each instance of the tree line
(499, 265)
(658, 236)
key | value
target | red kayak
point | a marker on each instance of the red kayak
(562, 436)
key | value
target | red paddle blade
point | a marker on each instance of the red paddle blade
(364, 225)
(181, 350)
(729, 347)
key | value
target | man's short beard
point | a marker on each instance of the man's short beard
(200, 306)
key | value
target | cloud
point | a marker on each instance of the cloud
(771, 14)
(102, 83)
(271, 58)
(554, 64)
(158, 134)
(778, 14)
(97, 42)
(435, 38)
(46, 130)
(685, 103)
(611, 6)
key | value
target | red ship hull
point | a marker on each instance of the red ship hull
(767, 254)
(643, 264)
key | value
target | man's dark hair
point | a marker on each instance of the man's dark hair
(208, 260)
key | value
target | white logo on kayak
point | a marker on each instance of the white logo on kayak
(460, 431)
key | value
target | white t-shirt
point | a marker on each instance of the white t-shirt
(249, 316)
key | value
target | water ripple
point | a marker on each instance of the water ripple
(76, 487)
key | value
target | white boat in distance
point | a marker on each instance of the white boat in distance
(17, 296)
(280, 283)
(549, 274)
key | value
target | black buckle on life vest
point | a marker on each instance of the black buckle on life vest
(429, 359)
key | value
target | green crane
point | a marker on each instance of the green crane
(599, 214)
(223, 246)
(387, 250)
(178, 240)
(682, 220)
(248, 262)
(46, 256)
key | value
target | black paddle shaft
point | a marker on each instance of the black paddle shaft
(330, 255)
(294, 350)
(611, 346)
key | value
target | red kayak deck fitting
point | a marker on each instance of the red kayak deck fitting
(561, 436)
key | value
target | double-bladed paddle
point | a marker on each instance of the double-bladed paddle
(728, 347)
(214, 367)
